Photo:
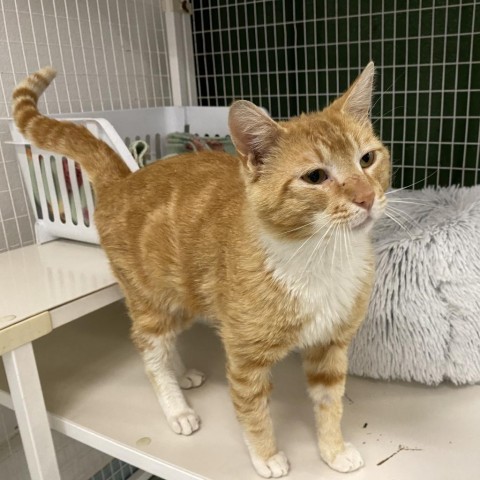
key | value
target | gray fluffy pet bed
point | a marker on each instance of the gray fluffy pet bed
(424, 318)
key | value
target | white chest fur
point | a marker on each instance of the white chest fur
(324, 278)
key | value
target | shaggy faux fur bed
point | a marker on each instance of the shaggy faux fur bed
(424, 319)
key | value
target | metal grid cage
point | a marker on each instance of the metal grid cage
(297, 57)
(110, 55)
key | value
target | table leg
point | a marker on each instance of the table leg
(29, 405)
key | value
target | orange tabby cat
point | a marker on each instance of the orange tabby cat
(273, 247)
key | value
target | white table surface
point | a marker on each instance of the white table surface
(38, 278)
(95, 387)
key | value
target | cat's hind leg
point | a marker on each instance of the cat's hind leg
(187, 377)
(158, 350)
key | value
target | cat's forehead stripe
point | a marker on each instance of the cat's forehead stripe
(328, 151)
(321, 151)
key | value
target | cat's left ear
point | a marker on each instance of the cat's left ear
(253, 132)
(357, 100)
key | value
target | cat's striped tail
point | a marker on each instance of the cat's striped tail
(102, 164)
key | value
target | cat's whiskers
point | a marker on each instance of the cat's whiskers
(344, 248)
(326, 245)
(411, 185)
(396, 169)
(316, 247)
(404, 198)
(341, 243)
(409, 202)
(348, 244)
(343, 251)
(335, 236)
(300, 227)
(400, 224)
(404, 215)
(387, 113)
(297, 251)
(386, 91)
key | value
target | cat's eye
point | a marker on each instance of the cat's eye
(367, 160)
(316, 177)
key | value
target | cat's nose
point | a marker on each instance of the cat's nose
(359, 192)
(364, 199)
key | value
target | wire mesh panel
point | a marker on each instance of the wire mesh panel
(110, 55)
(293, 57)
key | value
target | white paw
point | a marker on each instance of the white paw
(184, 423)
(348, 460)
(274, 467)
(191, 379)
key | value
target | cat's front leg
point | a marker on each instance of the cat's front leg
(250, 389)
(326, 370)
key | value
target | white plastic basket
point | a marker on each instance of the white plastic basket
(59, 191)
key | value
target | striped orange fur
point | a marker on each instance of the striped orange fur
(272, 247)
(74, 141)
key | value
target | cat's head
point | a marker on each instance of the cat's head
(317, 170)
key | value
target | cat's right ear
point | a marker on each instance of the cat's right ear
(253, 132)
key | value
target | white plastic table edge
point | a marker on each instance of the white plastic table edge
(82, 306)
(29, 405)
(22, 375)
(60, 316)
(121, 451)
(112, 447)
